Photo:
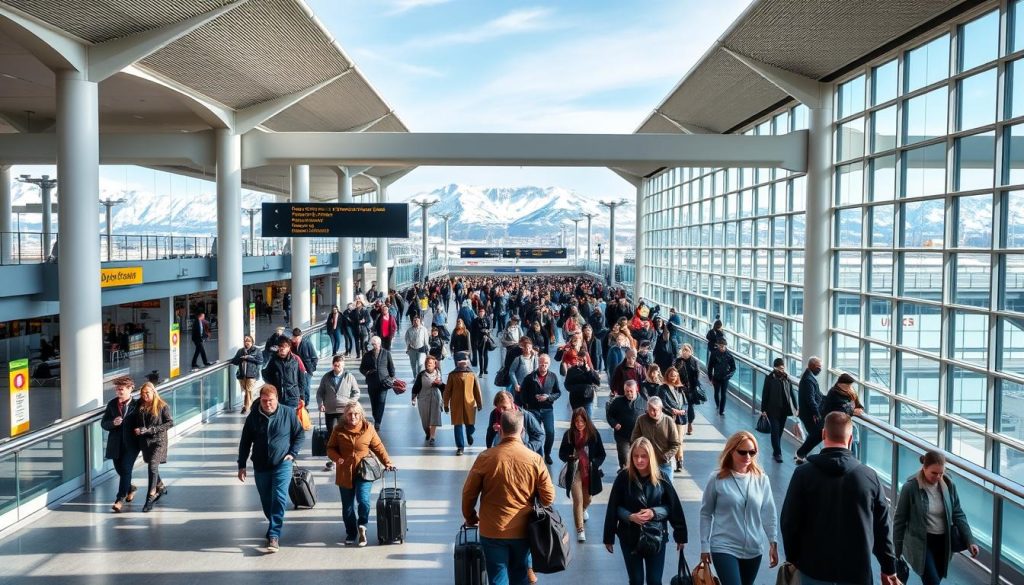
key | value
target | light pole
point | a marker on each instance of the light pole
(590, 234)
(424, 205)
(599, 251)
(561, 238)
(251, 211)
(107, 204)
(611, 205)
(46, 185)
(576, 239)
(446, 217)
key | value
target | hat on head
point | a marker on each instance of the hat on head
(845, 378)
(462, 356)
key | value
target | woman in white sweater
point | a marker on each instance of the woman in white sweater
(737, 514)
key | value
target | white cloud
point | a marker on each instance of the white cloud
(405, 68)
(403, 6)
(515, 22)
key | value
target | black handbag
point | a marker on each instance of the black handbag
(369, 468)
(902, 570)
(682, 576)
(957, 540)
(549, 540)
(649, 542)
(763, 424)
(501, 378)
(698, 396)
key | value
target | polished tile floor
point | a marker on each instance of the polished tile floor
(209, 528)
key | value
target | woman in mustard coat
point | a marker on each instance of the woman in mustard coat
(463, 399)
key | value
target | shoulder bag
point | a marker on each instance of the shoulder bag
(369, 468)
(563, 476)
(652, 535)
(702, 575)
(788, 575)
(682, 576)
(549, 540)
(763, 424)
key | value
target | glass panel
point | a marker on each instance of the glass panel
(924, 223)
(925, 170)
(919, 422)
(845, 354)
(977, 505)
(979, 41)
(1011, 358)
(851, 97)
(850, 140)
(846, 312)
(976, 102)
(1015, 219)
(974, 222)
(848, 268)
(976, 161)
(876, 453)
(1012, 557)
(43, 466)
(848, 228)
(970, 337)
(1014, 164)
(879, 368)
(967, 444)
(880, 320)
(971, 285)
(881, 273)
(881, 226)
(927, 64)
(1011, 297)
(883, 128)
(884, 82)
(1015, 88)
(922, 276)
(8, 484)
(925, 116)
(920, 327)
(1011, 463)
(184, 401)
(883, 178)
(1008, 397)
(850, 184)
(969, 396)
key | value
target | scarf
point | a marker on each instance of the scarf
(581, 440)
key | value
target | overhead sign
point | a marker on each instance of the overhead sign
(534, 253)
(517, 269)
(19, 396)
(480, 252)
(343, 220)
(175, 350)
(123, 276)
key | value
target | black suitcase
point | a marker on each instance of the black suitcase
(470, 566)
(302, 490)
(320, 435)
(391, 518)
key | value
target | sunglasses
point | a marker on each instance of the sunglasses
(743, 453)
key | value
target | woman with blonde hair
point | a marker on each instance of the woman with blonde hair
(641, 505)
(737, 509)
(151, 421)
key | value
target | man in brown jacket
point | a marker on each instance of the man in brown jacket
(506, 479)
(661, 431)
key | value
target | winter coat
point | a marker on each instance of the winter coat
(352, 446)
(620, 411)
(721, 366)
(283, 374)
(153, 437)
(908, 526)
(248, 362)
(596, 454)
(531, 388)
(674, 399)
(121, 439)
(521, 367)
(376, 369)
(628, 497)
(810, 398)
(307, 353)
(533, 431)
(462, 397)
(582, 384)
(665, 351)
(269, 438)
(777, 396)
(460, 342)
(837, 401)
(333, 395)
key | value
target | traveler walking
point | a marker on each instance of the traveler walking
(583, 454)
(533, 431)
(336, 390)
(641, 506)
(835, 490)
(122, 444)
(809, 399)
(379, 371)
(689, 371)
(361, 322)
(715, 335)
(460, 338)
(271, 437)
(248, 358)
(621, 413)
(351, 441)
(522, 366)
(540, 392)
(305, 351)
(661, 431)
(283, 373)
(652, 381)
(737, 514)
(462, 398)
(930, 525)
(200, 333)
(480, 334)
(507, 480)
(150, 422)
(582, 382)
(333, 326)
(842, 397)
(417, 344)
(348, 328)
(426, 396)
(628, 369)
(777, 399)
(721, 367)
(673, 399)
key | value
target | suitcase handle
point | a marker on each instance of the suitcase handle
(463, 536)
(385, 474)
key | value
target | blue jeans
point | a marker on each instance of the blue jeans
(636, 565)
(124, 465)
(335, 340)
(805, 580)
(507, 560)
(735, 571)
(666, 470)
(273, 488)
(356, 497)
(546, 416)
(460, 441)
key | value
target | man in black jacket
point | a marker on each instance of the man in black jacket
(721, 367)
(836, 515)
(305, 351)
(540, 390)
(809, 400)
(282, 372)
(200, 333)
(621, 413)
(379, 371)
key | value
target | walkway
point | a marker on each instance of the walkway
(208, 528)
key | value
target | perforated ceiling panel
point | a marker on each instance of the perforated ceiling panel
(345, 104)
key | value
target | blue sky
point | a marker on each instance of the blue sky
(500, 66)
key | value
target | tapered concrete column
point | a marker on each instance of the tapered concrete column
(300, 252)
(382, 247)
(231, 310)
(817, 255)
(6, 218)
(345, 244)
(611, 245)
(639, 264)
(78, 266)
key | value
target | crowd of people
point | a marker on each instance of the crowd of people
(566, 340)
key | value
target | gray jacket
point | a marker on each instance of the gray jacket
(909, 532)
(521, 368)
(334, 396)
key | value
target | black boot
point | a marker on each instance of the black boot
(149, 503)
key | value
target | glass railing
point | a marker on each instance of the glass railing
(66, 457)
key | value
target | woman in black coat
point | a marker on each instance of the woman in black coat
(665, 348)
(122, 444)
(150, 425)
(541, 342)
(689, 370)
(583, 454)
(777, 400)
(480, 335)
(843, 398)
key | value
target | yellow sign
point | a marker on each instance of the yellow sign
(312, 260)
(252, 320)
(123, 276)
(175, 350)
(19, 396)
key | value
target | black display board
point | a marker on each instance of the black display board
(480, 252)
(335, 220)
(535, 253)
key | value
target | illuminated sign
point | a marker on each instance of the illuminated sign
(124, 276)
(343, 220)
(19, 396)
(480, 252)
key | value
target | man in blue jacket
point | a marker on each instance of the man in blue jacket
(809, 400)
(271, 436)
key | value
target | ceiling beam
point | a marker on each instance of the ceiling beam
(249, 118)
(53, 47)
(628, 177)
(809, 92)
(684, 127)
(193, 148)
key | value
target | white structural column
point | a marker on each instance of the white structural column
(6, 218)
(78, 266)
(611, 245)
(640, 248)
(382, 245)
(300, 252)
(345, 244)
(817, 255)
(231, 313)
(590, 234)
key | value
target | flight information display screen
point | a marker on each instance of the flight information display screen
(340, 220)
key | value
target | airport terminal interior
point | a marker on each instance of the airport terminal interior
(842, 180)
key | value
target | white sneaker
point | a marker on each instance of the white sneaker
(362, 536)
(581, 536)
(586, 515)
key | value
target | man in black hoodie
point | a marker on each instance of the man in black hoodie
(836, 515)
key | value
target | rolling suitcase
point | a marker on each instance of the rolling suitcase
(302, 490)
(470, 567)
(320, 435)
(391, 518)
